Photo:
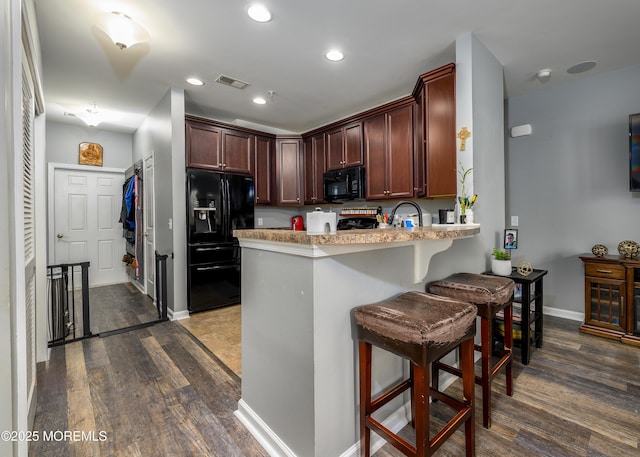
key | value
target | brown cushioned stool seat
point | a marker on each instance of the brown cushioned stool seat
(420, 327)
(490, 294)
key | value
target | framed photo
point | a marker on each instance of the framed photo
(90, 154)
(511, 239)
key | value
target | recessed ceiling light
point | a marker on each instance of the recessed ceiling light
(544, 74)
(259, 13)
(581, 67)
(259, 101)
(334, 55)
(195, 82)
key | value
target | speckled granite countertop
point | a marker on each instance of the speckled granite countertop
(389, 235)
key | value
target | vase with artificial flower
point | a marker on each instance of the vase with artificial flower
(464, 201)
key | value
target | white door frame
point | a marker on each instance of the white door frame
(51, 197)
(149, 187)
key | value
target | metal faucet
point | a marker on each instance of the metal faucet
(406, 202)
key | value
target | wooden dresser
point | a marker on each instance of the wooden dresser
(612, 298)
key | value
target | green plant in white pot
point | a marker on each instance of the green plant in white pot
(501, 262)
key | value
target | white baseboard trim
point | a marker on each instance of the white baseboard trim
(177, 315)
(267, 438)
(557, 312)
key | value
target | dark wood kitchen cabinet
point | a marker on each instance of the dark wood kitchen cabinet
(388, 153)
(435, 160)
(612, 298)
(314, 168)
(214, 147)
(204, 145)
(237, 151)
(344, 146)
(264, 171)
(289, 172)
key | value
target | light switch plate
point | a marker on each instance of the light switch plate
(514, 221)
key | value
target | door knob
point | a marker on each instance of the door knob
(60, 235)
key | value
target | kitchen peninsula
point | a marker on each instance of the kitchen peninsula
(299, 355)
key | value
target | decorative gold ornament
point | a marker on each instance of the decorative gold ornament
(628, 249)
(599, 250)
(463, 134)
(525, 268)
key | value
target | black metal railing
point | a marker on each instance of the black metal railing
(63, 315)
(161, 285)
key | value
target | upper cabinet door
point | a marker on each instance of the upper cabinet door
(388, 152)
(344, 146)
(314, 167)
(400, 152)
(441, 137)
(204, 146)
(289, 171)
(264, 170)
(375, 156)
(333, 151)
(237, 151)
(436, 154)
(352, 151)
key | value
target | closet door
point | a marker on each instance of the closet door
(85, 210)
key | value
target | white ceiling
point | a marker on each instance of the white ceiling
(387, 45)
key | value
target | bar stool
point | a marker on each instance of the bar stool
(419, 327)
(490, 294)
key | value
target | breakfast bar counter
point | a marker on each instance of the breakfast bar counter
(389, 235)
(299, 350)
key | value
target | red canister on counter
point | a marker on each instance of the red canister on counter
(297, 223)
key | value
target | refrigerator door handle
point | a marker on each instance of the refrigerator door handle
(215, 267)
(217, 248)
(227, 208)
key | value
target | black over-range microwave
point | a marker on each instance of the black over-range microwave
(344, 184)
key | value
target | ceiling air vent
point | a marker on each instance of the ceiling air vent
(227, 81)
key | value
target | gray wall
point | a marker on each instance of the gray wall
(163, 133)
(63, 142)
(568, 181)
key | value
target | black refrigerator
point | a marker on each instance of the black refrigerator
(217, 204)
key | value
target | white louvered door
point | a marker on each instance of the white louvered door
(28, 113)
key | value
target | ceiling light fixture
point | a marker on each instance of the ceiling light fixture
(122, 30)
(581, 67)
(259, 101)
(91, 116)
(195, 81)
(544, 75)
(334, 55)
(259, 13)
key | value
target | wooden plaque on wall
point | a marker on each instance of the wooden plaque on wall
(90, 154)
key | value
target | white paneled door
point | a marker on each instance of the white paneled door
(86, 227)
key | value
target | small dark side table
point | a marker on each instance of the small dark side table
(531, 302)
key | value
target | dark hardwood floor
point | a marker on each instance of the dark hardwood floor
(158, 392)
(115, 307)
(153, 392)
(578, 397)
